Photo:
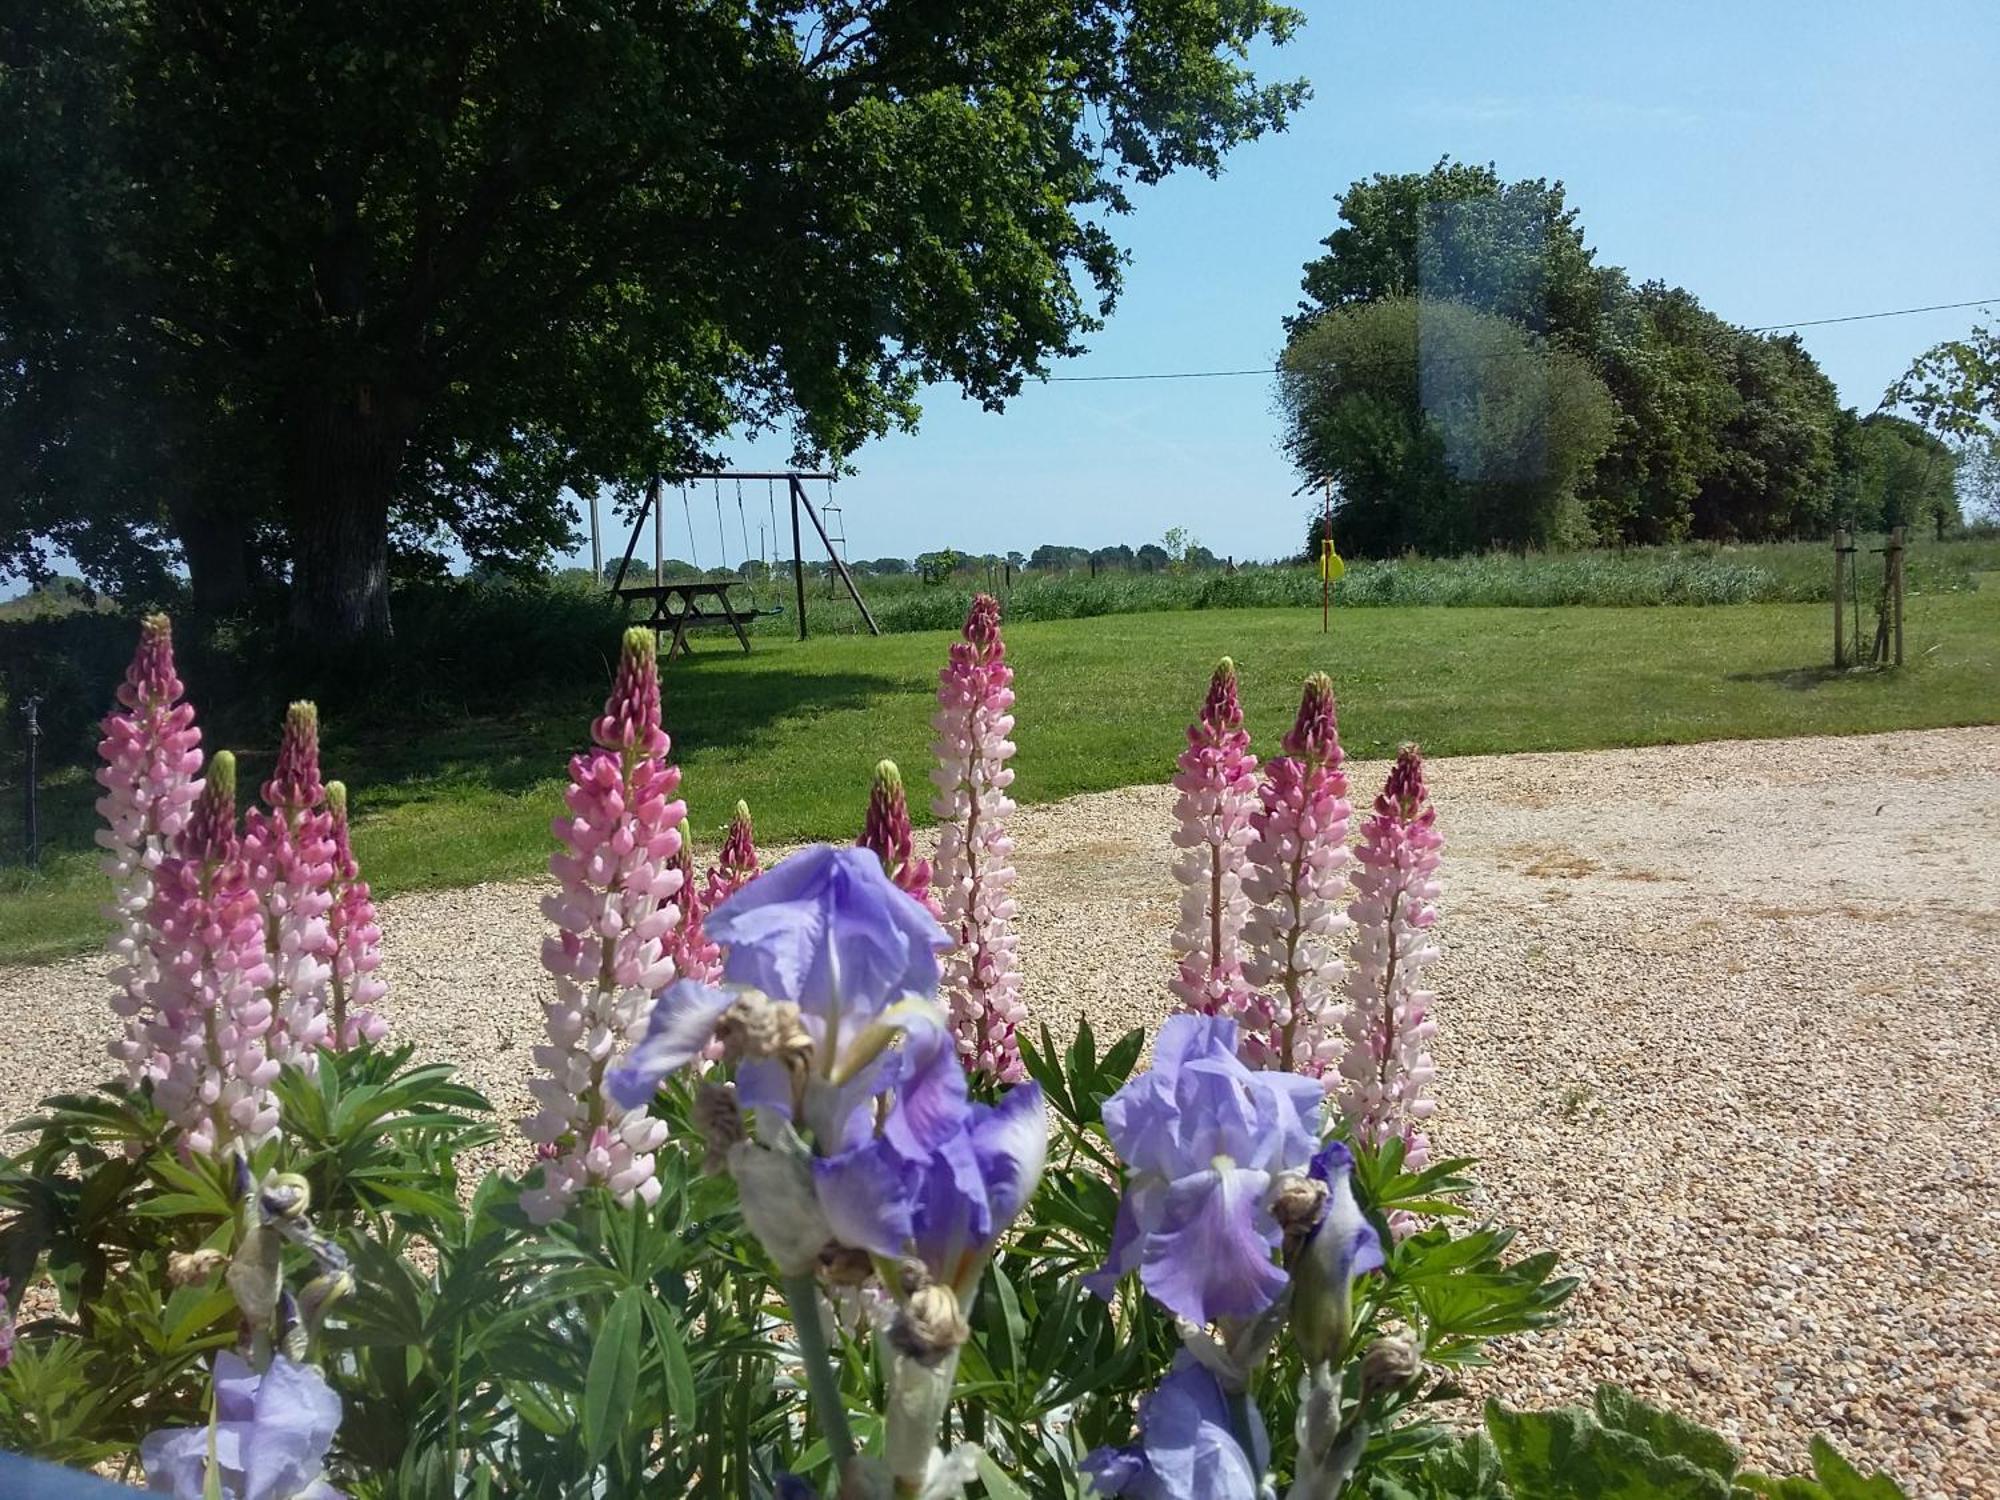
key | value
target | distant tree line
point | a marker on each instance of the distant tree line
(1465, 375)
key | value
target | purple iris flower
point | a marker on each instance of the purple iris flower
(944, 1177)
(827, 930)
(271, 1435)
(1186, 1449)
(1204, 1140)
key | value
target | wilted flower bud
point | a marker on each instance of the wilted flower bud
(192, 1267)
(776, 1191)
(930, 1325)
(1389, 1366)
(755, 1027)
(720, 1123)
(1297, 1206)
(844, 1265)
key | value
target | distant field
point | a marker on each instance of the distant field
(1694, 574)
(446, 798)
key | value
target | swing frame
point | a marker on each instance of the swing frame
(654, 503)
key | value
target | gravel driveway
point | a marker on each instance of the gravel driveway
(1721, 1021)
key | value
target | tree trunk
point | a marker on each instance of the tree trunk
(345, 451)
(216, 549)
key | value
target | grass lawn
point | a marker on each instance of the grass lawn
(795, 728)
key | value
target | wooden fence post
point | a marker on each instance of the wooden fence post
(1839, 600)
(1896, 587)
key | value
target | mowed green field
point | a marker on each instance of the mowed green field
(795, 728)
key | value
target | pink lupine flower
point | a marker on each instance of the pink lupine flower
(355, 985)
(1387, 1067)
(694, 955)
(1298, 875)
(152, 762)
(210, 996)
(736, 865)
(288, 847)
(887, 835)
(618, 873)
(974, 877)
(1217, 782)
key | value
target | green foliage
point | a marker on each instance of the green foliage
(1445, 429)
(1717, 432)
(1623, 1449)
(329, 291)
(1458, 233)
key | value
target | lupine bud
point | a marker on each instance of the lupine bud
(887, 835)
(289, 850)
(617, 874)
(1217, 786)
(152, 759)
(975, 865)
(1387, 1067)
(356, 985)
(1298, 873)
(736, 866)
(210, 994)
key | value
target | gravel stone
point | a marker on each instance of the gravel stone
(1721, 1022)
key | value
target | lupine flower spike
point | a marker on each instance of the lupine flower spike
(1298, 875)
(211, 994)
(1387, 1068)
(1217, 782)
(694, 954)
(975, 865)
(150, 776)
(886, 834)
(289, 848)
(357, 940)
(736, 865)
(618, 873)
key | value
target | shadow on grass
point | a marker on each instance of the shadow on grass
(1801, 679)
(397, 757)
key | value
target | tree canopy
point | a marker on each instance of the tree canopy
(1716, 431)
(1444, 428)
(305, 289)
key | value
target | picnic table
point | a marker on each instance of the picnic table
(681, 605)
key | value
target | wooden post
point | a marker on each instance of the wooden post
(1896, 588)
(596, 549)
(798, 499)
(659, 553)
(638, 525)
(1325, 572)
(1839, 601)
(798, 561)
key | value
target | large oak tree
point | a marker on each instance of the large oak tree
(297, 279)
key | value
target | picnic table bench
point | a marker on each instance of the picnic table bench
(681, 605)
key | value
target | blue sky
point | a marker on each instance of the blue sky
(1781, 160)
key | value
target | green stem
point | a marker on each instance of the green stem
(802, 1296)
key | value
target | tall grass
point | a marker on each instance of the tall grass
(1780, 573)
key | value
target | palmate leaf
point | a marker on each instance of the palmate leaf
(1569, 1455)
(1834, 1478)
(1665, 1431)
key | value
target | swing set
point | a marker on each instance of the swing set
(679, 605)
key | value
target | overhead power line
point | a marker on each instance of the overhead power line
(1894, 312)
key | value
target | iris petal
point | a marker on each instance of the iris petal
(1211, 1255)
